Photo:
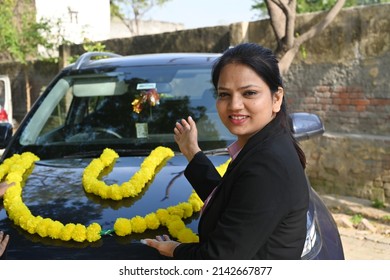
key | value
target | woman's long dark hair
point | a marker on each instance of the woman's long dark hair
(265, 64)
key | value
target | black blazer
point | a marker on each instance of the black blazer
(259, 209)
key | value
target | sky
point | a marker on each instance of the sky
(202, 13)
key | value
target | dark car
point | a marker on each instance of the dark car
(88, 184)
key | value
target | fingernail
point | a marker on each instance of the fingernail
(143, 241)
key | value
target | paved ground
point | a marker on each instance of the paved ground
(364, 230)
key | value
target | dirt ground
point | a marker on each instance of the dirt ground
(364, 229)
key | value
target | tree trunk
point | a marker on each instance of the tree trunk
(288, 56)
(28, 89)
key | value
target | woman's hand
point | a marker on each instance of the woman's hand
(186, 136)
(3, 187)
(163, 244)
(3, 242)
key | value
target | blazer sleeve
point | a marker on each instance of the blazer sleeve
(202, 175)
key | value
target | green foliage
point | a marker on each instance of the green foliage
(22, 34)
(302, 49)
(127, 9)
(260, 6)
(6, 26)
(306, 6)
(90, 46)
(378, 204)
(356, 219)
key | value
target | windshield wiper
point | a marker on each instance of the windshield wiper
(120, 152)
(219, 151)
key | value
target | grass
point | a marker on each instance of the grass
(356, 219)
(378, 204)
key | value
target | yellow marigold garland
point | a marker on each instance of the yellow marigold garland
(170, 217)
(14, 169)
(131, 188)
(17, 167)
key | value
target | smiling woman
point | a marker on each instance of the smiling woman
(258, 208)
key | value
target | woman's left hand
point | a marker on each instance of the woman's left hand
(4, 238)
(3, 187)
(163, 244)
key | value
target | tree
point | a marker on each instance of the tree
(22, 35)
(305, 6)
(130, 12)
(282, 14)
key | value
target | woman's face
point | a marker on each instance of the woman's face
(245, 103)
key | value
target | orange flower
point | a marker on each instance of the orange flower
(150, 96)
(137, 105)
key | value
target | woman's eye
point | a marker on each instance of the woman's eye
(250, 93)
(222, 94)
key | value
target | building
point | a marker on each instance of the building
(91, 19)
(78, 19)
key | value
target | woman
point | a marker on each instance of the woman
(257, 210)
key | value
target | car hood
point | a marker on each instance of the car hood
(54, 190)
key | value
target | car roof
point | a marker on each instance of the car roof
(86, 60)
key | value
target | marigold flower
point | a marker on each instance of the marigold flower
(54, 229)
(175, 226)
(196, 202)
(41, 228)
(176, 210)
(93, 232)
(79, 233)
(122, 226)
(32, 224)
(138, 224)
(163, 216)
(66, 232)
(186, 235)
(152, 221)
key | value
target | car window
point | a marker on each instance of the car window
(133, 106)
(49, 114)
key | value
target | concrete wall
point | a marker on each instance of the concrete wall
(343, 77)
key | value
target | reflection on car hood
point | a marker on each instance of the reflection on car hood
(54, 190)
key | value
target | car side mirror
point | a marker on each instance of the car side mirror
(6, 131)
(306, 125)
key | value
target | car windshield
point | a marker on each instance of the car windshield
(133, 108)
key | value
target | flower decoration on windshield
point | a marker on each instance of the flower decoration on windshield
(149, 96)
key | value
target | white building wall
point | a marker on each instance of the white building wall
(81, 19)
(146, 27)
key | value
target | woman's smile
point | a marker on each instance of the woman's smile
(238, 119)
